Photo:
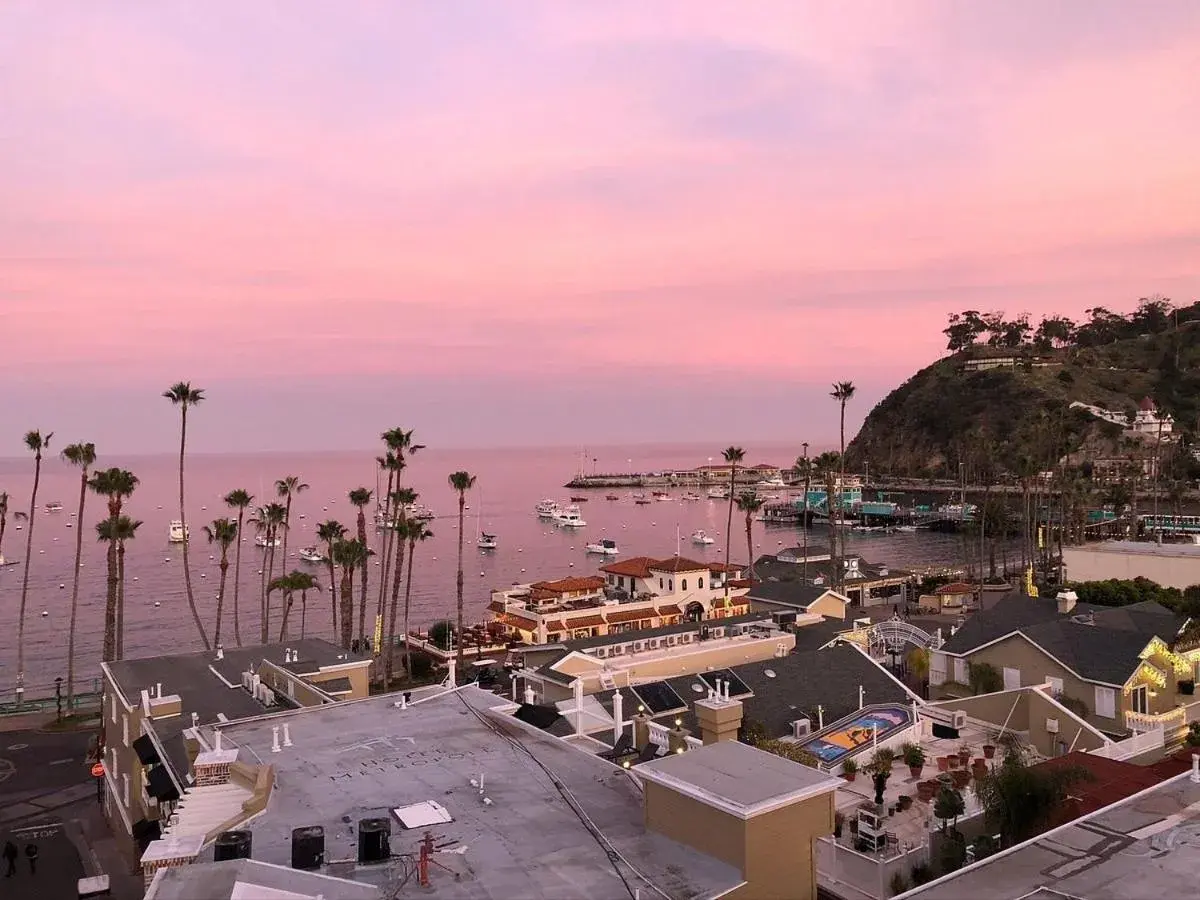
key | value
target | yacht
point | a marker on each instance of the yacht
(689, 496)
(312, 555)
(569, 518)
(54, 506)
(718, 493)
(775, 481)
(178, 533)
(604, 547)
(486, 541)
(262, 541)
(701, 537)
(547, 509)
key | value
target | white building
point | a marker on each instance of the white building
(1149, 421)
(1171, 565)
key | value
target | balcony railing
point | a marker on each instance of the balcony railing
(1168, 721)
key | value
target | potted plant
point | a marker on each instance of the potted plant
(989, 751)
(904, 802)
(964, 754)
(943, 763)
(980, 767)
(926, 790)
(914, 758)
(961, 778)
(849, 769)
(952, 762)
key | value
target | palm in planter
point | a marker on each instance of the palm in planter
(914, 758)
(849, 769)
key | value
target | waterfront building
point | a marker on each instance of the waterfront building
(1171, 565)
(629, 595)
(863, 584)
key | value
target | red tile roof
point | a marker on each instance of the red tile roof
(721, 567)
(570, 585)
(740, 583)
(1111, 781)
(671, 609)
(519, 622)
(555, 625)
(629, 615)
(496, 606)
(634, 567)
(585, 622)
(958, 587)
(678, 564)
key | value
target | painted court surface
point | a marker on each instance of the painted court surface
(857, 730)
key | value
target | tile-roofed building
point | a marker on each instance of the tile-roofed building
(790, 598)
(864, 583)
(679, 564)
(572, 585)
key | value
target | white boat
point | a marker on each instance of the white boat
(547, 509)
(702, 537)
(418, 512)
(6, 562)
(569, 518)
(178, 533)
(718, 493)
(775, 481)
(486, 541)
(905, 529)
(312, 555)
(604, 547)
(54, 506)
(262, 541)
(689, 496)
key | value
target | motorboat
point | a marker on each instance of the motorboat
(689, 496)
(702, 537)
(611, 497)
(547, 509)
(54, 506)
(604, 547)
(642, 501)
(775, 481)
(418, 512)
(638, 496)
(569, 518)
(178, 533)
(486, 541)
(312, 555)
(262, 541)
(579, 499)
(6, 562)
(660, 495)
(905, 529)
(718, 493)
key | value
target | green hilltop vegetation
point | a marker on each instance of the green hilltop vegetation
(1000, 402)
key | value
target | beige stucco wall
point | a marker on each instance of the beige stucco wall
(1089, 564)
(1007, 706)
(828, 606)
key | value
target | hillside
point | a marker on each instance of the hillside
(1016, 415)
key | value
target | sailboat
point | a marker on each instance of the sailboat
(483, 540)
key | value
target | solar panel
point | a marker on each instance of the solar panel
(737, 687)
(658, 697)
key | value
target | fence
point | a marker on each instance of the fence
(1135, 745)
(660, 734)
(41, 697)
(867, 875)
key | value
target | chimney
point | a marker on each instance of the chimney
(618, 715)
(287, 735)
(641, 730)
(275, 748)
(719, 719)
(217, 740)
(1066, 601)
(1196, 768)
(577, 686)
(158, 690)
(220, 652)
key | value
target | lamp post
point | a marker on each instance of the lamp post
(58, 697)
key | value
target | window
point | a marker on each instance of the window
(1012, 679)
(937, 668)
(700, 583)
(1106, 703)
(1139, 700)
(683, 584)
(671, 585)
(660, 584)
(960, 671)
(114, 710)
(125, 730)
(1056, 685)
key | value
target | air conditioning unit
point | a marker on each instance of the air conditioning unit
(1052, 726)
(958, 719)
(801, 728)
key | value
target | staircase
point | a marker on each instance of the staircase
(202, 809)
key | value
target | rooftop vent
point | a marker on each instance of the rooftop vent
(801, 728)
(308, 847)
(232, 845)
(424, 814)
(374, 844)
(1067, 601)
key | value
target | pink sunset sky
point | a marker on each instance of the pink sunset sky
(563, 222)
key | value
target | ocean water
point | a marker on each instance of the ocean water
(510, 483)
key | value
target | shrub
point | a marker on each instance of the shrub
(1193, 735)
(984, 678)
(914, 756)
(921, 874)
(898, 884)
(439, 634)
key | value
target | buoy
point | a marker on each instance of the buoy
(522, 570)
(203, 574)
(135, 578)
(481, 574)
(61, 586)
(41, 551)
(204, 509)
(44, 614)
(156, 602)
(210, 556)
(168, 559)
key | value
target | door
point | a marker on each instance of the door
(1139, 701)
(1012, 679)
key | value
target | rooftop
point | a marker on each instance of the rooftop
(362, 759)
(1142, 548)
(1145, 847)
(249, 879)
(737, 778)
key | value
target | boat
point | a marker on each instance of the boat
(775, 481)
(262, 541)
(702, 537)
(611, 497)
(54, 506)
(569, 518)
(6, 562)
(312, 555)
(579, 499)
(661, 493)
(418, 512)
(905, 529)
(486, 541)
(689, 496)
(718, 493)
(642, 501)
(638, 496)
(178, 533)
(604, 547)
(547, 509)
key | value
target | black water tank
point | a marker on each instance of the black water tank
(231, 845)
(373, 844)
(308, 847)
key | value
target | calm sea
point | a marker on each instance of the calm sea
(510, 482)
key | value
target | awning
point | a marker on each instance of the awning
(147, 753)
(160, 786)
(585, 622)
(632, 615)
(670, 609)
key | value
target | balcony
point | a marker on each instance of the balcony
(1169, 721)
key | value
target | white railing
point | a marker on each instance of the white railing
(1168, 721)
(1136, 745)
(661, 735)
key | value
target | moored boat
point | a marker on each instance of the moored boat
(486, 541)
(604, 547)
(177, 532)
(569, 518)
(702, 537)
(54, 506)
(546, 509)
(262, 541)
(312, 555)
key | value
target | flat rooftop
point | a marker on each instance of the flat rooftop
(1141, 548)
(249, 879)
(1146, 847)
(738, 778)
(362, 759)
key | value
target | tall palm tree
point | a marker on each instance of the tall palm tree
(114, 485)
(804, 464)
(126, 530)
(399, 447)
(222, 532)
(843, 392)
(417, 534)
(387, 463)
(349, 555)
(240, 500)
(36, 442)
(827, 464)
(185, 396)
(749, 503)
(360, 498)
(83, 456)
(286, 489)
(268, 520)
(733, 456)
(401, 499)
(3, 519)
(329, 533)
(461, 482)
(402, 531)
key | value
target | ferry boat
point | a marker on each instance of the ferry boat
(569, 518)
(54, 506)
(178, 533)
(262, 541)
(547, 509)
(603, 547)
(702, 537)
(312, 555)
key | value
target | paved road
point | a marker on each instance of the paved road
(32, 762)
(58, 865)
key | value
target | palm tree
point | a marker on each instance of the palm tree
(84, 456)
(223, 532)
(288, 584)
(461, 482)
(417, 534)
(349, 555)
(240, 500)
(828, 464)
(387, 463)
(185, 396)
(401, 498)
(126, 530)
(749, 503)
(843, 392)
(114, 485)
(360, 497)
(267, 520)
(302, 582)
(329, 533)
(287, 488)
(805, 466)
(400, 446)
(3, 519)
(36, 442)
(733, 456)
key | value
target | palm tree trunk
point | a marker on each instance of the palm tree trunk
(303, 614)
(237, 581)
(272, 534)
(221, 596)
(110, 605)
(120, 600)
(729, 529)
(841, 489)
(262, 595)
(37, 477)
(388, 666)
(412, 552)
(287, 608)
(458, 644)
(362, 588)
(749, 547)
(805, 521)
(385, 545)
(287, 522)
(333, 608)
(187, 571)
(75, 592)
(347, 607)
